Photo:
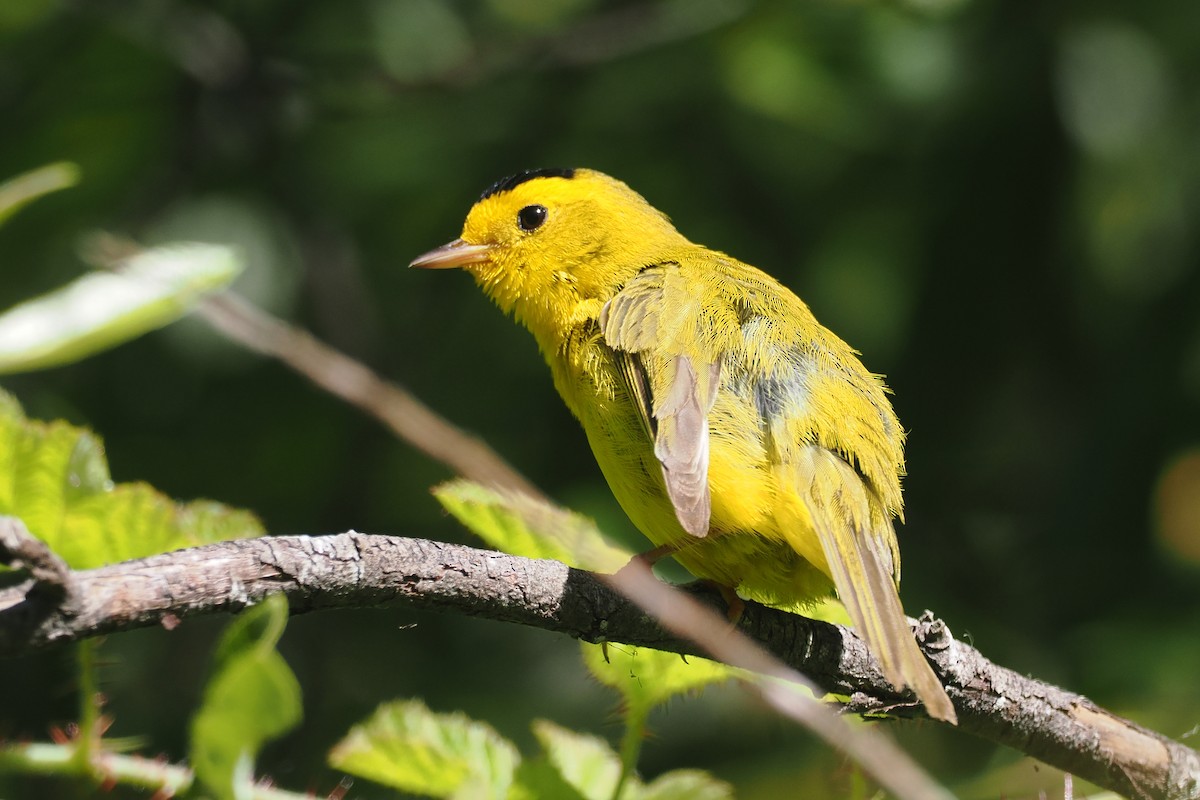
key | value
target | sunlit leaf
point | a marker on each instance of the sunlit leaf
(587, 763)
(406, 746)
(257, 631)
(646, 678)
(538, 778)
(251, 698)
(686, 784)
(18, 192)
(590, 769)
(54, 477)
(523, 526)
(103, 309)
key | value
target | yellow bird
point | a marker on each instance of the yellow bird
(732, 427)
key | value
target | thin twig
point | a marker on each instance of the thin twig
(340, 375)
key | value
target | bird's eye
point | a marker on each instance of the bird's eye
(530, 218)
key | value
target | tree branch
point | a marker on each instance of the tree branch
(353, 570)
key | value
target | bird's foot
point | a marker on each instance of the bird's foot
(735, 606)
(645, 561)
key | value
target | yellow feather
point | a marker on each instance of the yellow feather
(727, 421)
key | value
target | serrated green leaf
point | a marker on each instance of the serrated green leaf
(257, 630)
(586, 763)
(251, 698)
(207, 521)
(646, 678)
(54, 477)
(87, 469)
(18, 192)
(406, 746)
(685, 784)
(103, 309)
(537, 779)
(524, 526)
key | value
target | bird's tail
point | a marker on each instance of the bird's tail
(859, 544)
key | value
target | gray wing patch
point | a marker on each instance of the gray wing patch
(681, 443)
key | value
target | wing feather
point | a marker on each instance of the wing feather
(854, 535)
(681, 443)
(675, 391)
(633, 375)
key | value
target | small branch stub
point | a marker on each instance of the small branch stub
(22, 550)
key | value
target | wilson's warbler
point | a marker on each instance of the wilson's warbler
(732, 427)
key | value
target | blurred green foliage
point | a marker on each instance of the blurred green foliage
(995, 202)
(251, 697)
(54, 478)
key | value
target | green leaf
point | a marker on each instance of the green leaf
(54, 477)
(257, 630)
(538, 778)
(585, 762)
(686, 784)
(251, 698)
(524, 526)
(646, 678)
(18, 192)
(406, 746)
(103, 309)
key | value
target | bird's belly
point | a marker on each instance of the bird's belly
(746, 546)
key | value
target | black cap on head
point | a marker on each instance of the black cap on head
(505, 184)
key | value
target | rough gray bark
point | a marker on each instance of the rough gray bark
(353, 570)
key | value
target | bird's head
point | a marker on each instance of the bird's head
(541, 241)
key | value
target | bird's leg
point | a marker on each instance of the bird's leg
(648, 559)
(652, 557)
(735, 606)
(641, 561)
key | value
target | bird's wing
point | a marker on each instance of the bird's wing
(859, 542)
(633, 375)
(833, 441)
(671, 376)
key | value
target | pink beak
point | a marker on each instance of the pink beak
(454, 254)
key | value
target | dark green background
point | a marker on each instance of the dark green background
(995, 201)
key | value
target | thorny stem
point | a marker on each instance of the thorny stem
(631, 744)
(87, 742)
